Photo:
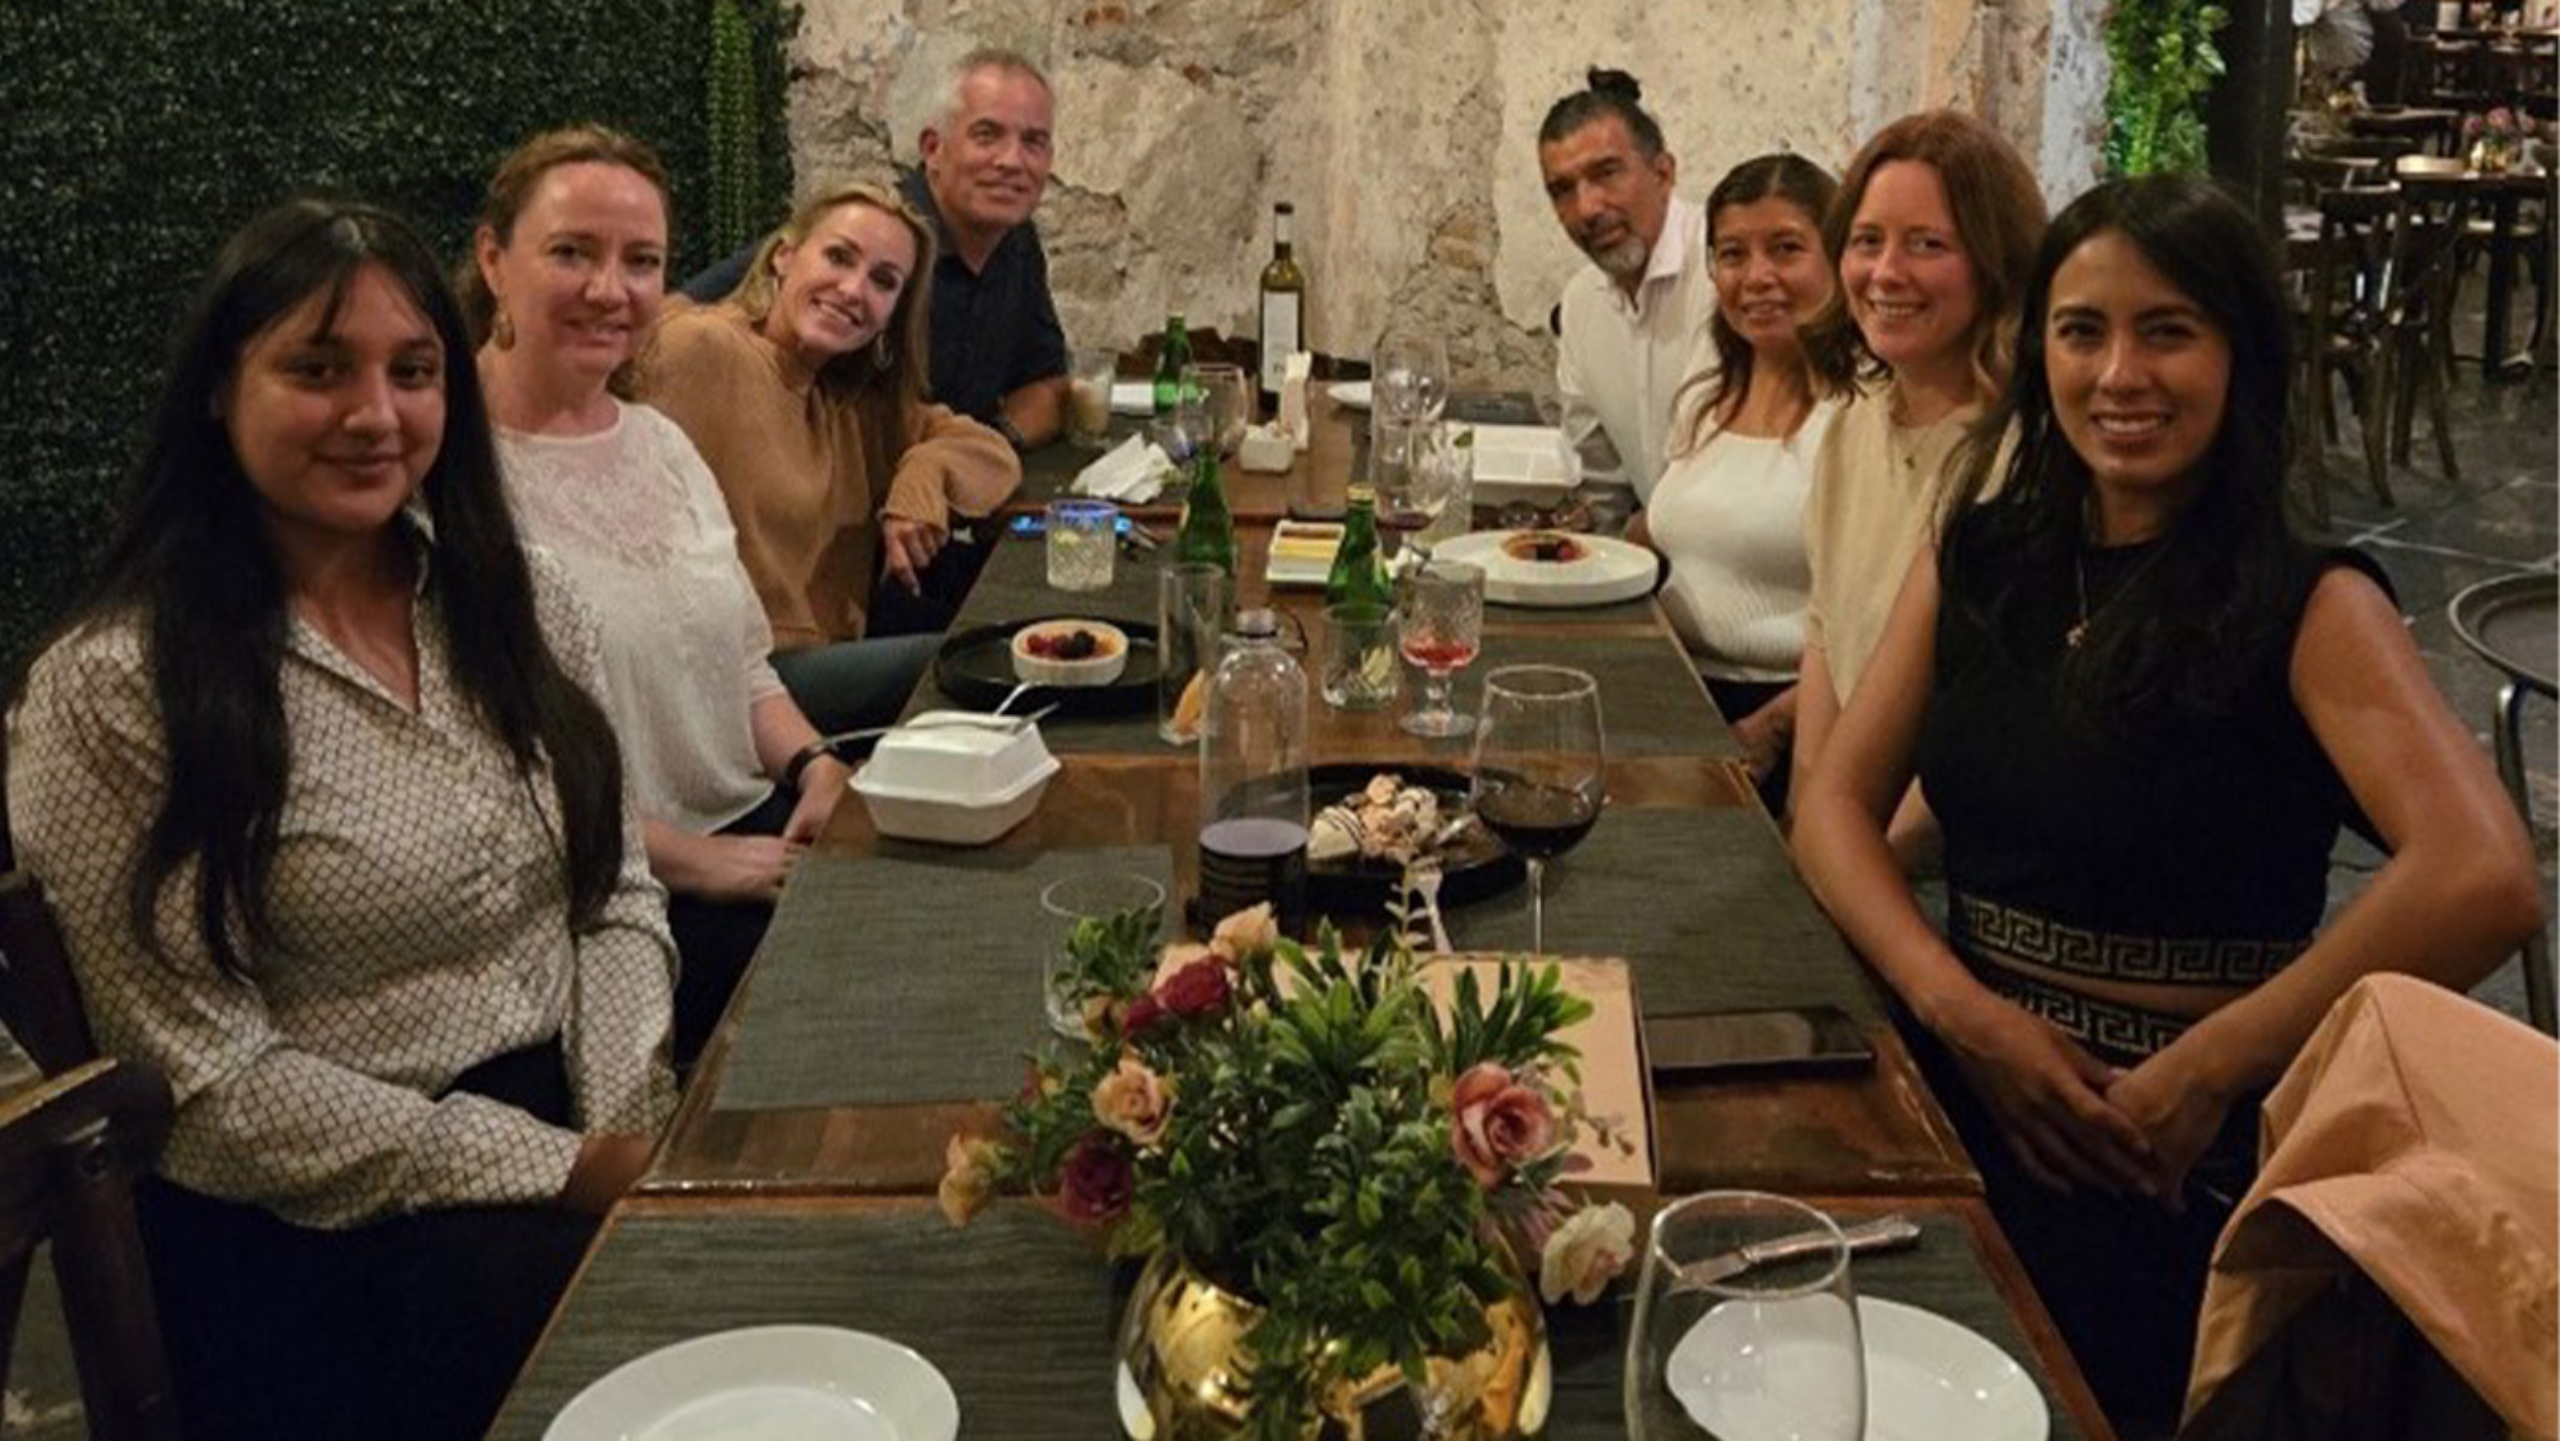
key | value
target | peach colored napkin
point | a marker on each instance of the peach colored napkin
(2411, 1157)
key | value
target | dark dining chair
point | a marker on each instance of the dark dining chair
(71, 1147)
(2348, 276)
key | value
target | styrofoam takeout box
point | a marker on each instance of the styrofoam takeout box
(955, 777)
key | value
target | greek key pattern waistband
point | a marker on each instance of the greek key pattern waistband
(2116, 1033)
(2025, 939)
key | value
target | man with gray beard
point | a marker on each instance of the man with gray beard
(1630, 328)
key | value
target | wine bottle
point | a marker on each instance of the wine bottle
(1208, 529)
(1283, 310)
(1171, 361)
(1359, 573)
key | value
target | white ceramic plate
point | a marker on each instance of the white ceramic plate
(1133, 397)
(1349, 394)
(1608, 570)
(1524, 463)
(767, 1383)
(1928, 1378)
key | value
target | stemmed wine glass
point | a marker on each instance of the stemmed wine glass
(1540, 768)
(1217, 405)
(1409, 378)
(1440, 625)
(1724, 1352)
(1437, 464)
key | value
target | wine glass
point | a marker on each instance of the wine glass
(1409, 378)
(1440, 624)
(1217, 395)
(1438, 464)
(1722, 1351)
(1540, 768)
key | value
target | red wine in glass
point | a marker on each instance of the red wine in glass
(1440, 653)
(1535, 819)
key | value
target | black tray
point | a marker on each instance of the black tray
(1477, 865)
(975, 669)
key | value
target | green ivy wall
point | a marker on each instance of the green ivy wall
(136, 134)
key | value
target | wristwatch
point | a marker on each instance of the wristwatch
(800, 759)
(1011, 432)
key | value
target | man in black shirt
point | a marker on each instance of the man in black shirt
(999, 354)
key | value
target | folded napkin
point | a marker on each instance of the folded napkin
(1132, 472)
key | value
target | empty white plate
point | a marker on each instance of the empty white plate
(767, 1383)
(1928, 1378)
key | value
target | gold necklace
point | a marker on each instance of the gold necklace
(2080, 584)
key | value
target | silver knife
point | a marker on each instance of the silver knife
(1885, 1233)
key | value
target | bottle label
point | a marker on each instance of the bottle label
(1280, 335)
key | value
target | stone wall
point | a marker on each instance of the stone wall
(1404, 131)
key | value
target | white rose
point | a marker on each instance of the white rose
(1584, 1254)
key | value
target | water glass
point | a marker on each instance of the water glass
(1361, 672)
(1191, 618)
(1064, 906)
(1089, 378)
(1083, 540)
(1441, 626)
(1222, 402)
(1769, 1350)
(1409, 378)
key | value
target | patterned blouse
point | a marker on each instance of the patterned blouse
(420, 904)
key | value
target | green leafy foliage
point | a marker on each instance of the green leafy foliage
(1307, 1159)
(2164, 64)
(140, 135)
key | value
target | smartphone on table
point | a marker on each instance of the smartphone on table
(1800, 1040)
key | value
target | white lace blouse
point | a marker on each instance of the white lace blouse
(635, 518)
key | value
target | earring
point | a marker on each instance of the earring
(502, 331)
(881, 359)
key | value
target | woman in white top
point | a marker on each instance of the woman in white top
(1934, 230)
(569, 267)
(1728, 513)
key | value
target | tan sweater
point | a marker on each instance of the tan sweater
(1876, 491)
(808, 473)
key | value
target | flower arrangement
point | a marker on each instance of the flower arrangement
(2494, 138)
(1311, 1131)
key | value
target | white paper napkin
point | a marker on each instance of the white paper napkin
(1132, 472)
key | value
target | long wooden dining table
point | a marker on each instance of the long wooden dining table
(898, 992)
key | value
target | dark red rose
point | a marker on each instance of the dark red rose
(1096, 1183)
(1198, 989)
(1144, 1012)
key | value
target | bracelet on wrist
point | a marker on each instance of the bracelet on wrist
(801, 759)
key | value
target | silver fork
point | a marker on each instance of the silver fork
(1426, 884)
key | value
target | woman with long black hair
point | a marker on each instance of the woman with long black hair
(2142, 708)
(336, 832)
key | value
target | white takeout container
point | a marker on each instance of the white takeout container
(955, 777)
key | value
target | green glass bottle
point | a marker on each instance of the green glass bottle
(1208, 531)
(1359, 573)
(1171, 361)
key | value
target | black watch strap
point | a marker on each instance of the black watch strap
(1011, 432)
(800, 759)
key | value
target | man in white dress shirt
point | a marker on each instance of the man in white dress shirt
(1631, 324)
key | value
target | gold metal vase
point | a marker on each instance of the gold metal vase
(1182, 1353)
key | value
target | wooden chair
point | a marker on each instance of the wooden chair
(2445, 74)
(70, 1148)
(2422, 329)
(2348, 292)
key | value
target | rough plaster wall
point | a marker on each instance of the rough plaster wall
(1405, 130)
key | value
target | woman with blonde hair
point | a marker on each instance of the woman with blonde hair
(567, 272)
(1934, 231)
(805, 391)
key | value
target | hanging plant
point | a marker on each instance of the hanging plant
(2164, 64)
(736, 208)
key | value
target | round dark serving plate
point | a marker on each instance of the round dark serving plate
(1473, 867)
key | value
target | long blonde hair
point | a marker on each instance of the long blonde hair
(901, 374)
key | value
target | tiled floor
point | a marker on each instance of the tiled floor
(2501, 517)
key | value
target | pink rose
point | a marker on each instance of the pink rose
(1134, 1101)
(1582, 1256)
(1096, 1183)
(1499, 1123)
(1198, 989)
(968, 1178)
(1248, 932)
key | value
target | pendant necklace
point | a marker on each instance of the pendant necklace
(2079, 631)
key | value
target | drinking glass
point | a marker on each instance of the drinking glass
(1223, 404)
(1409, 377)
(1438, 465)
(1083, 541)
(1089, 380)
(1064, 906)
(1360, 669)
(1191, 619)
(1770, 1350)
(1541, 768)
(1441, 625)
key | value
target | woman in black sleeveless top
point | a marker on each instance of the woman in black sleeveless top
(2142, 708)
